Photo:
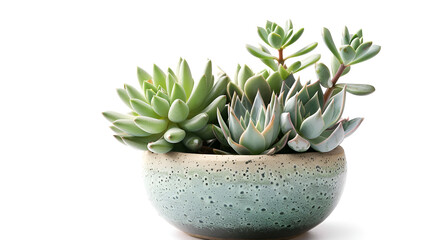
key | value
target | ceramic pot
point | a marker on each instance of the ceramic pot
(245, 196)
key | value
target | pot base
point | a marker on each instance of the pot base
(214, 238)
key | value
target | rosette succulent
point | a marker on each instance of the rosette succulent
(169, 110)
(252, 128)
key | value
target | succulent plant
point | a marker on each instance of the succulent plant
(169, 110)
(252, 128)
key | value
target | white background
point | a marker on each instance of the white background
(62, 175)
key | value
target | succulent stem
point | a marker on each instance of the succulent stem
(328, 92)
(281, 60)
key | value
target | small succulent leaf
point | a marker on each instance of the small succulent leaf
(268, 26)
(118, 131)
(303, 94)
(163, 95)
(357, 89)
(217, 131)
(286, 123)
(346, 70)
(264, 73)
(275, 40)
(185, 78)
(206, 133)
(279, 30)
(135, 142)
(148, 85)
(255, 84)
(218, 89)
(327, 38)
(196, 123)
(178, 112)
(346, 36)
(372, 52)
(171, 72)
(326, 144)
(240, 149)
(178, 67)
(238, 107)
(296, 87)
(174, 135)
(160, 146)
(160, 106)
(158, 77)
(289, 25)
(313, 105)
(128, 126)
(233, 88)
(142, 108)
(263, 35)
(272, 130)
(149, 94)
(351, 126)
(362, 49)
(244, 74)
(308, 62)
(219, 102)
(258, 106)
(303, 50)
(151, 125)
(278, 145)
(112, 116)
(199, 94)
(347, 54)
(312, 126)
(355, 43)
(275, 81)
(170, 81)
(234, 125)
(299, 144)
(283, 72)
(252, 139)
(178, 93)
(209, 75)
(258, 52)
(119, 138)
(294, 38)
(322, 72)
(335, 108)
(133, 92)
(288, 35)
(124, 96)
(335, 65)
(142, 76)
(220, 152)
(294, 67)
(237, 71)
(193, 142)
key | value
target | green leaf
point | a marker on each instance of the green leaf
(334, 109)
(294, 66)
(217, 131)
(322, 72)
(263, 35)
(196, 123)
(142, 108)
(206, 133)
(351, 126)
(299, 144)
(357, 89)
(283, 72)
(193, 142)
(143, 76)
(308, 62)
(240, 149)
(178, 93)
(252, 139)
(279, 30)
(372, 52)
(286, 124)
(362, 49)
(158, 77)
(208, 73)
(326, 144)
(232, 88)
(136, 142)
(218, 89)
(178, 111)
(199, 94)
(113, 116)
(151, 125)
(347, 54)
(258, 52)
(128, 126)
(185, 78)
(303, 50)
(160, 146)
(133, 92)
(219, 102)
(330, 44)
(222, 124)
(244, 74)
(355, 43)
(234, 125)
(174, 135)
(160, 106)
(275, 81)
(275, 40)
(295, 37)
(124, 96)
(170, 81)
(346, 36)
(255, 84)
(313, 126)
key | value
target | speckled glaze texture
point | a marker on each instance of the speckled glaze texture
(242, 196)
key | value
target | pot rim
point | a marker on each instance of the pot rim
(336, 151)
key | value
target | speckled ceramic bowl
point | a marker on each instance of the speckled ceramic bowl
(245, 197)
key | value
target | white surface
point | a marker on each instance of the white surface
(62, 175)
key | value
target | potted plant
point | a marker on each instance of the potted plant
(255, 157)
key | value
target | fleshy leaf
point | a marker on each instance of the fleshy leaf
(308, 61)
(252, 139)
(160, 106)
(278, 145)
(326, 144)
(234, 125)
(196, 123)
(323, 74)
(303, 50)
(128, 126)
(160, 146)
(193, 142)
(233, 88)
(244, 74)
(133, 92)
(143, 76)
(124, 96)
(142, 108)
(178, 111)
(372, 51)
(263, 34)
(275, 40)
(151, 125)
(223, 125)
(240, 149)
(185, 78)
(334, 109)
(217, 131)
(258, 52)
(174, 135)
(299, 144)
(177, 92)
(112, 116)
(327, 37)
(312, 126)
(198, 95)
(346, 36)
(347, 54)
(294, 38)
(255, 84)
(351, 126)
(219, 102)
(357, 89)
(158, 77)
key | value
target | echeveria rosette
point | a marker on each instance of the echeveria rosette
(311, 125)
(169, 110)
(252, 128)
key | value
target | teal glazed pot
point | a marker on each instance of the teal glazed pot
(245, 196)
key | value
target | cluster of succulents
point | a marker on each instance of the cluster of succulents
(263, 112)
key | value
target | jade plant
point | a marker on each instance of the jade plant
(257, 112)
